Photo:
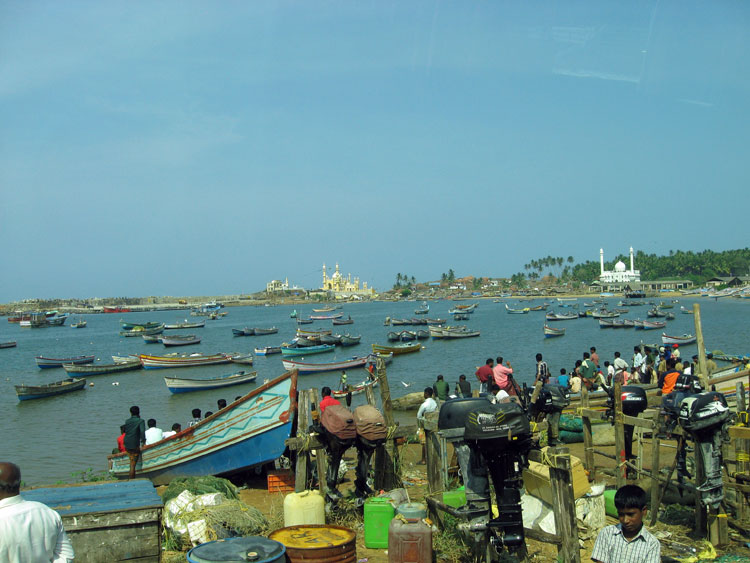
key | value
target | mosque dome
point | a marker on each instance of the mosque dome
(620, 266)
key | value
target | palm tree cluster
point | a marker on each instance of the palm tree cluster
(553, 265)
(403, 280)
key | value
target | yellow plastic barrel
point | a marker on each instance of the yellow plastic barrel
(318, 544)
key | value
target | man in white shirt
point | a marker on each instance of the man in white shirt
(153, 434)
(176, 428)
(29, 531)
(638, 358)
(429, 405)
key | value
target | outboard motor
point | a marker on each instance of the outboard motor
(685, 386)
(499, 438)
(551, 401)
(706, 417)
(634, 402)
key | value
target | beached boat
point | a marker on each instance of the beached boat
(248, 432)
(28, 392)
(306, 368)
(80, 323)
(138, 331)
(11, 344)
(516, 311)
(550, 332)
(397, 349)
(551, 316)
(348, 321)
(268, 350)
(102, 369)
(184, 385)
(46, 362)
(307, 350)
(180, 340)
(184, 360)
(354, 389)
(350, 340)
(185, 324)
(684, 339)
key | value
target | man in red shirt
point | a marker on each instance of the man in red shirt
(327, 400)
(484, 375)
(501, 373)
(121, 440)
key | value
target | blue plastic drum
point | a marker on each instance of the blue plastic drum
(256, 549)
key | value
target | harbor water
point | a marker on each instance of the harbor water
(52, 439)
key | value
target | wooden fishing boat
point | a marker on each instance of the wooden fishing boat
(550, 332)
(684, 339)
(184, 360)
(102, 369)
(685, 311)
(324, 310)
(393, 336)
(433, 321)
(349, 340)
(307, 351)
(80, 323)
(467, 308)
(115, 309)
(293, 314)
(551, 316)
(304, 321)
(124, 325)
(45, 362)
(459, 332)
(407, 336)
(330, 339)
(11, 344)
(400, 322)
(422, 310)
(152, 338)
(125, 359)
(460, 316)
(542, 307)
(246, 359)
(243, 331)
(326, 317)
(354, 389)
(306, 368)
(670, 316)
(137, 331)
(604, 314)
(57, 320)
(567, 299)
(28, 392)
(307, 341)
(180, 340)
(309, 333)
(248, 432)
(348, 321)
(184, 324)
(606, 323)
(423, 334)
(264, 331)
(651, 325)
(183, 385)
(268, 350)
(656, 312)
(516, 311)
(397, 349)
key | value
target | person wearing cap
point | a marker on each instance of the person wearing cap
(710, 365)
(676, 351)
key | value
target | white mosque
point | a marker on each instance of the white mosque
(620, 274)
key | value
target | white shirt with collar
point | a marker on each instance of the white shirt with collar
(31, 531)
(153, 435)
(429, 405)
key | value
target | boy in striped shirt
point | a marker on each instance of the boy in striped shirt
(629, 541)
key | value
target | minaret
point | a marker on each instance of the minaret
(324, 275)
(632, 267)
(601, 262)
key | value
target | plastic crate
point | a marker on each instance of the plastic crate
(281, 481)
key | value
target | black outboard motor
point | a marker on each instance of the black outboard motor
(551, 401)
(634, 402)
(685, 386)
(706, 417)
(499, 435)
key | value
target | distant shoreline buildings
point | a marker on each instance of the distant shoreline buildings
(336, 285)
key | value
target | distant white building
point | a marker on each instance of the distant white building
(275, 286)
(620, 274)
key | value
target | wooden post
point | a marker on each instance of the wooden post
(370, 396)
(588, 438)
(620, 470)
(702, 370)
(320, 457)
(655, 465)
(386, 459)
(561, 482)
(742, 450)
(303, 423)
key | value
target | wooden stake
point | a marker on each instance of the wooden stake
(655, 465)
(620, 470)
(386, 459)
(561, 482)
(702, 370)
(320, 457)
(588, 438)
(303, 423)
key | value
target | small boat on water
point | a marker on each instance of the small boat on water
(516, 311)
(268, 350)
(138, 331)
(264, 331)
(243, 331)
(330, 339)
(423, 310)
(184, 385)
(326, 317)
(407, 336)
(80, 323)
(651, 325)
(349, 340)
(397, 349)
(354, 389)
(185, 324)
(293, 314)
(246, 359)
(550, 332)
(324, 310)
(684, 339)
(28, 392)
(124, 325)
(306, 368)
(304, 321)
(551, 316)
(606, 323)
(461, 316)
(393, 336)
(449, 332)
(11, 344)
(248, 432)
(46, 362)
(57, 320)
(542, 307)
(313, 333)
(185, 360)
(347, 321)
(152, 338)
(307, 350)
(423, 334)
(655, 312)
(604, 314)
(180, 340)
(685, 311)
(125, 359)
(103, 369)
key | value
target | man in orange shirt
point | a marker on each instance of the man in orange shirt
(668, 380)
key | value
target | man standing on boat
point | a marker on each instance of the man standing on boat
(135, 437)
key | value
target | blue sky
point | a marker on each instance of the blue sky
(199, 148)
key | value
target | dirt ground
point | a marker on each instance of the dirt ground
(674, 536)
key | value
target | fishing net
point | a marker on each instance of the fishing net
(199, 486)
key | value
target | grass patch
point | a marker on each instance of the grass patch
(449, 544)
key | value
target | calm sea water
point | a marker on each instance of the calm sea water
(52, 438)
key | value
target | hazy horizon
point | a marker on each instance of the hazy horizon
(195, 148)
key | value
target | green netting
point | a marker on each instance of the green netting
(199, 486)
